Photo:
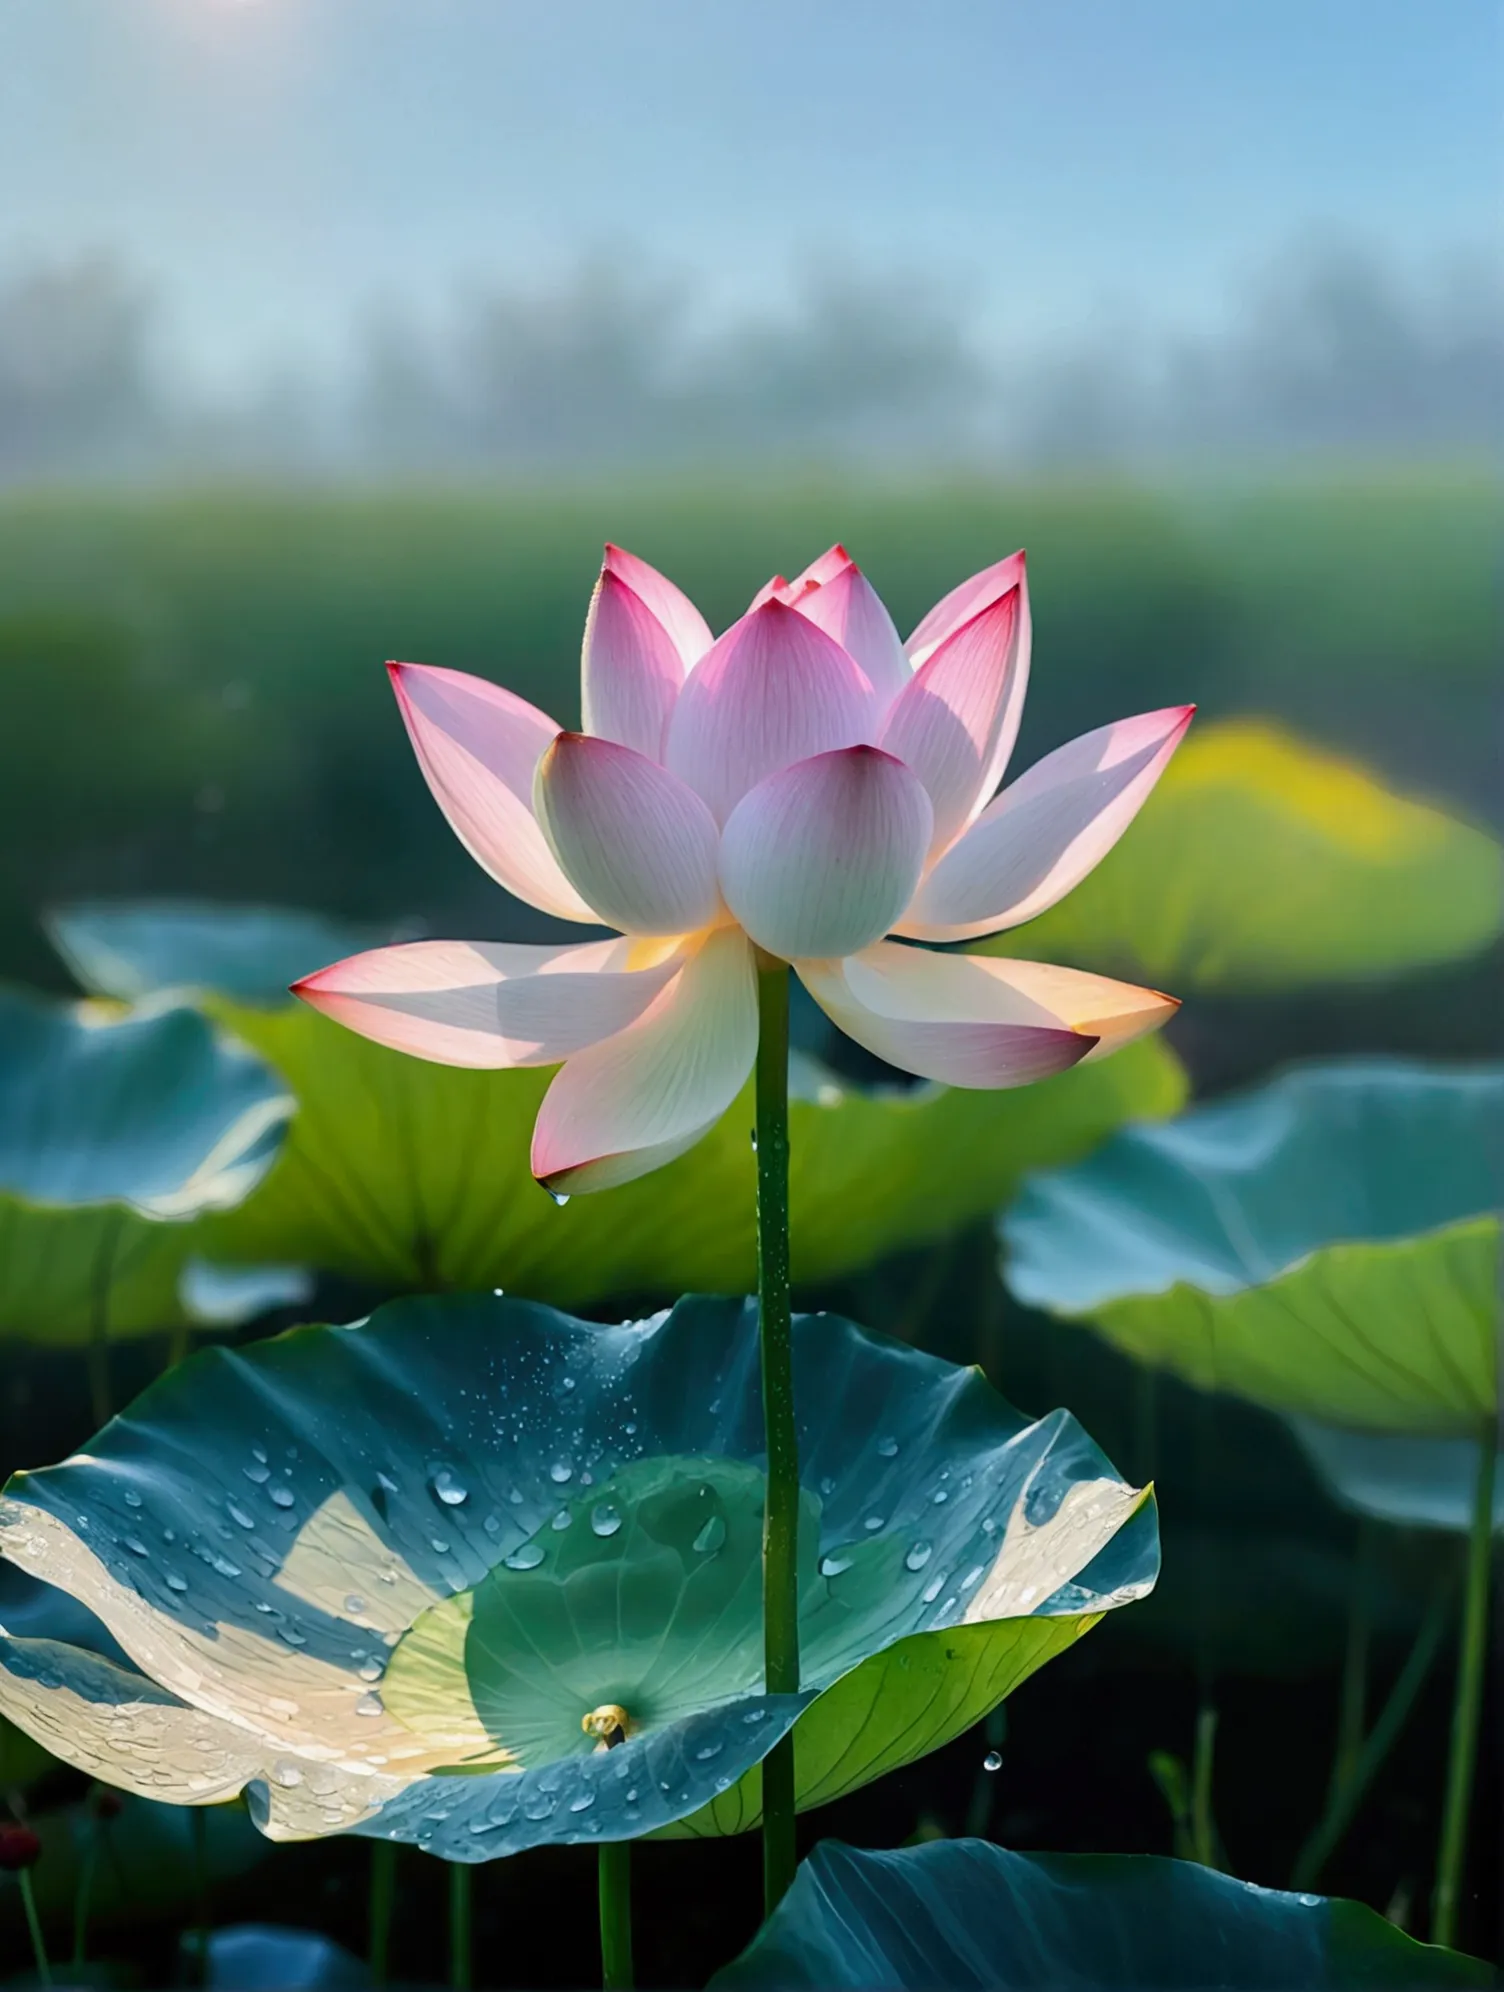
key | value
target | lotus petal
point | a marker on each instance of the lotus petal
(631, 669)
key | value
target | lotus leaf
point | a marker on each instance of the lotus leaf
(1328, 1245)
(1413, 1483)
(114, 1131)
(408, 1174)
(1260, 863)
(957, 1914)
(479, 1576)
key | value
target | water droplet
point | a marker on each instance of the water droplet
(132, 1498)
(447, 1489)
(287, 1774)
(630, 1428)
(355, 1603)
(175, 1582)
(560, 1471)
(1309, 1901)
(993, 1761)
(933, 1589)
(560, 1198)
(238, 1514)
(755, 1715)
(888, 1447)
(604, 1519)
(827, 1487)
(291, 1634)
(711, 1536)
(583, 1803)
(939, 1497)
(372, 1671)
(226, 1568)
(527, 1557)
(708, 1750)
(136, 1547)
(260, 1473)
(873, 1522)
(752, 1137)
(440, 1545)
(282, 1497)
(370, 1704)
(918, 1556)
(972, 1575)
(832, 1566)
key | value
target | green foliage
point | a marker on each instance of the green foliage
(1411, 1483)
(393, 1569)
(115, 1133)
(958, 1914)
(1327, 1245)
(1259, 864)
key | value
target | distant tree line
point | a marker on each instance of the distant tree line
(1330, 350)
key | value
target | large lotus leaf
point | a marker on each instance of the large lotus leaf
(261, 1957)
(114, 1131)
(1260, 863)
(407, 1174)
(957, 1914)
(132, 948)
(413, 1174)
(382, 1575)
(1413, 1483)
(1329, 1244)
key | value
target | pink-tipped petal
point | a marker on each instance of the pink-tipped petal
(932, 1015)
(835, 560)
(478, 747)
(965, 601)
(636, 843)
(822, 857)
(483, 1004)
(630, 669)
(687, 628)
(777, 586)
(1115, 1013)
(847, 607)
(771, 691)
(1046, 831)
(956, 720)
(634, 1102)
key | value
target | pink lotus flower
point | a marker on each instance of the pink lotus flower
(804, 785)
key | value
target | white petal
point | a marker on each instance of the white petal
(847, 607)
(630, 669)
(478, 747)
(965, 601)
(956, 721)
(1047, 830)
(636, 843)
(933, 1015)
(687, 628)
(629, 1105)
(480, 1003)
(773, 690)
(823, 857)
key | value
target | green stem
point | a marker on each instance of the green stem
(1203, 1827)
(101, 1283)
(616, 1915)
(34, 1924)
(83, 1899)
(459, 1927)
(1344, 1799)
(383, 1891)
(780, 1542)
(1452, 1858)
(1352, 1707)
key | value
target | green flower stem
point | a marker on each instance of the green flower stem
(1452, 1858)
(1345, 1797)
(780, 1573)
(1352, 1713)
(84, 1897)
(459, 1927)
(34, 1925)
(382, 1897)
(1203, 1825)
(616, 1915)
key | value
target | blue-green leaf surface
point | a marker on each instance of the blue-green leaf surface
(380, 1576)
(115, 1131)
(1328, 1245)
(1413, 1483)
(958, 1914)
(133, 948)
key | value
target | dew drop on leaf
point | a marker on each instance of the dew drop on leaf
(527, 1557)
(993, 1761)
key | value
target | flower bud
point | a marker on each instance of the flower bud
(19, 1848)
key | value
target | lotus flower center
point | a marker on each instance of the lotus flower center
(609, 1723)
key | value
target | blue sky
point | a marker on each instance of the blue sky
(276, 164)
